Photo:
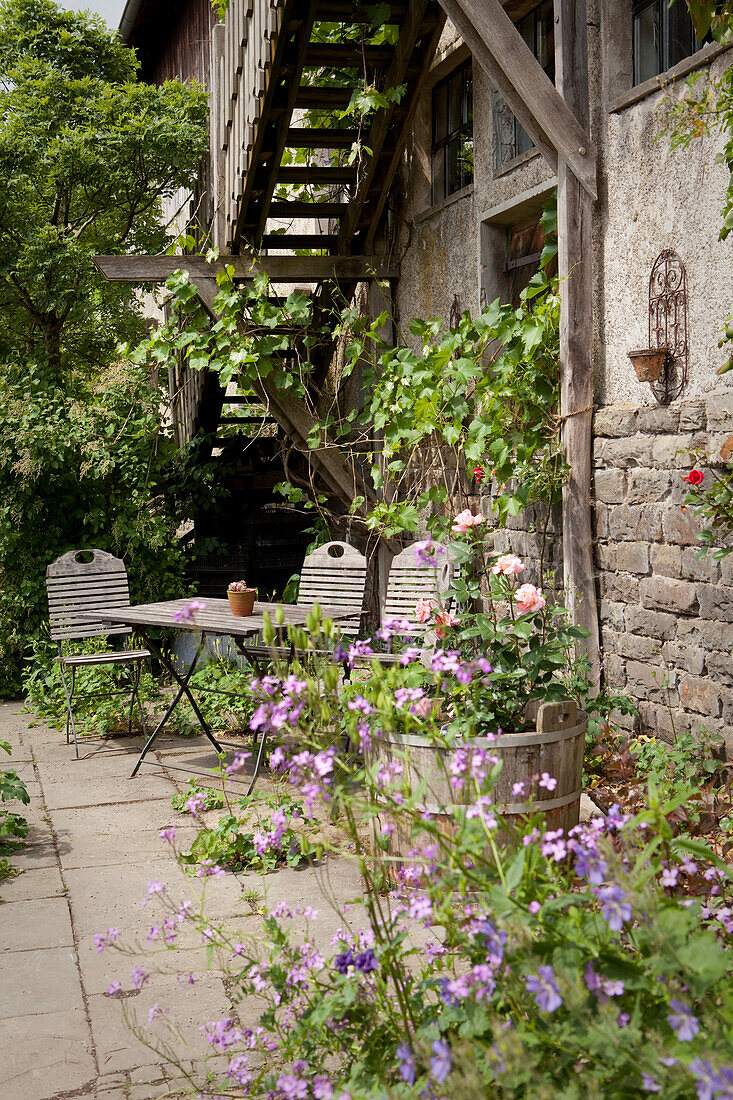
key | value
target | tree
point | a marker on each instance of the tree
(87, 157)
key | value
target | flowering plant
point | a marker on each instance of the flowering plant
(581, 963)
(714, 502)
(238, 586)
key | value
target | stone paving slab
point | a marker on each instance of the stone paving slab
(109, 791)
(42, 882)
(44, 1055)
(28, 925)
(39, 981)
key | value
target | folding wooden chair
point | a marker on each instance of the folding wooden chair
(410, 581)
(335, 576)
(75, 588)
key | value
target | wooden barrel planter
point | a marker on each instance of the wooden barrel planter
(555, 746)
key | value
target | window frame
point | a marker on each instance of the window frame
(664, 61)
(439, 145)
(520, 153)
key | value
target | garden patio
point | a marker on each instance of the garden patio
(366, 543)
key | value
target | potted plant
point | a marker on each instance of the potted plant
(241, 598)
(648, 363)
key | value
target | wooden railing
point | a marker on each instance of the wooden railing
(242, 52)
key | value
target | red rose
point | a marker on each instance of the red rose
(694, 477)
(478, 474)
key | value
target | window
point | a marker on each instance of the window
(452, 148)
(537, 28)
(663, 36)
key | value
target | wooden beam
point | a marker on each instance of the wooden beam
(387, 175)
(297, 422)
(575, 252)
(280, 269)
(280, 127)
(375, 139)
(320, 137)
(500, 50)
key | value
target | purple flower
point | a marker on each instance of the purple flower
(105, 939)
(614, 907)
(188, 611)
(407, 1069)
(115, 989)
(168, 834)
(239, 1070)
(322, 1088)
(343, 961)
(429, 553)
(669, 876)
(683, 1021)
(340, 655)
(712, 1082)
(588, 864)
(295, 1088)
(139, 977)
(366, 961)
(649, 1084)
(440, 1063)
(547, 995)
(548, 782)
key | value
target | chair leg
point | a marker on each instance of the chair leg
(69, 712)
(137, 672)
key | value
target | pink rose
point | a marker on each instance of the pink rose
(442, 620)
(423, 609)
(529, 599)
(465, 520)
(508, 564)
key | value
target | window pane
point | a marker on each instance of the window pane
(647, 45)
(681, 36)
(440, 112)
(439, 175)
(467, 106)
(452, 166)
(454, 103)
(526, 29)
(522, 140)
(546, 35)
(466, 159)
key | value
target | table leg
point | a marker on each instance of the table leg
(258, 762)
(183, 689)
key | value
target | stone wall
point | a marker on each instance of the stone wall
(667, 617)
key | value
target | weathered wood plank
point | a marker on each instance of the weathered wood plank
(575, 251)
(510, 64)
(156, 269)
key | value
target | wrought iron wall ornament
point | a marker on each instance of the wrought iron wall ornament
(667, 326)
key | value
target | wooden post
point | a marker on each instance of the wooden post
(380, 299)
(574, 226)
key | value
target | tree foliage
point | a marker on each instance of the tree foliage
(87, 156)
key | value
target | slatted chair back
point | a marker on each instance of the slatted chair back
(410, 581)
(335, 575)
(77, 586)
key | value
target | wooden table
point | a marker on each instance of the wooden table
(215, 619)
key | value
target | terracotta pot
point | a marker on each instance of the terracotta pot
(648, 363)
(242, 603)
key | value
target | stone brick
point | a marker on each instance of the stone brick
(680, 527)
(666, 560)
(598, 452)
(639, 647)
(720, 411)
(727, 701)
(669, 593)
(609, 639)
(701, 695)
(716, 602)
(716, 636)
(610, 486)
(651, 681)
(658, 419)
(612, 613)
(606, 556)
(671, 451)
(634, 522)
(726, 569)
(632, 557)
(620, 586)
(615, 669)
(648, 486)
(655, 718)
(686, 657)
(656, 624)
(601, 514)
(693, 414)
(615, 420)
(704, 569)
(635, 450)
(720, 665)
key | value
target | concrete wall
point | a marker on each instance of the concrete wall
(665, 616)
